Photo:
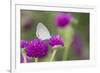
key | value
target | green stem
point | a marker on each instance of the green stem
(25, 61)
(36, 59)
(67, 34)
(65, 54)
(53, 55)
(24, 55)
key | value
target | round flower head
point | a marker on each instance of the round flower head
(23, 43)
(56, 41)
(62, 19)
(37, 48)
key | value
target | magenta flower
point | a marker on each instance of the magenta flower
(37, 48)
(62, 19)
(22, 60)
(23, 43)
(56, 41)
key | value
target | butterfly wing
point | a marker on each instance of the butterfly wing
(42, 32)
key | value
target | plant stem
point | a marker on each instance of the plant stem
(53, 55)
(65, 53)
(25, 60)
(67, 40)
(36, 59)
(24, 55)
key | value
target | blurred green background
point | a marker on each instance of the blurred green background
(30, 19)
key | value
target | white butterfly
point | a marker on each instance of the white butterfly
(42, 32)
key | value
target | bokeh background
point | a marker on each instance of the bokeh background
(76, 36)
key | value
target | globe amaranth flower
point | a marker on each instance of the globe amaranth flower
(77, 44)
(56, 40)
(23, 43)
(63, 19)
(37, 48)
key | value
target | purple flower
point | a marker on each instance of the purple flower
(23, 43)
(22, 59)
(37, 48)
(62, 19)
(77, 44)
(56, 41)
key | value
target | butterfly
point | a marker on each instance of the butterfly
(42, 32)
